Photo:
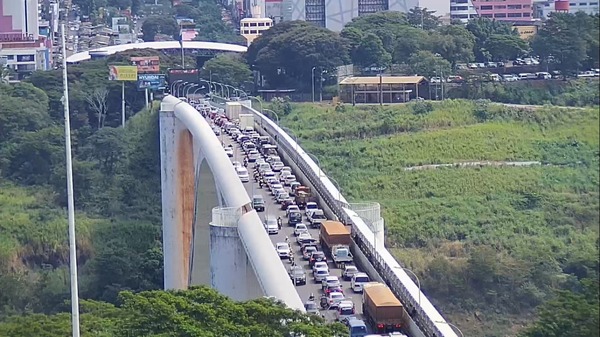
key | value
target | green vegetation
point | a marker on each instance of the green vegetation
(200, 312)
(581, 92)
(491, 240)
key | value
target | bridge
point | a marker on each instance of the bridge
(206, 48)
(213, 236)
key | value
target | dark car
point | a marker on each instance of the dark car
(297, 275)
(258, 203)
(317, 257)
(294, 218)
(286, 202)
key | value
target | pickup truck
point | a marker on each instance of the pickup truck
(336, 240)
(316, 218)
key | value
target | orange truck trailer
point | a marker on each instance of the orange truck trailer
(383, 311)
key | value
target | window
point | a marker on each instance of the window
(486, 8)
(500, 15)
(583, 4)
(514, 7)
(500, 7)
(526, 15)
(459, 8)
(10, 57)
(514, 15)
(253, 32)
(461, 1)
(25, 58)
(261, 24)
(460, 16)
(487, 15)
(252, 24)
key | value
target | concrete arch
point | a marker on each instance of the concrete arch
(192, 161)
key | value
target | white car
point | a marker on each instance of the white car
(253, 155)
(357, 282)
(229, 152)
(304, 236)
(236, 164)
(283, 250)
(345, 309)
(288, 180)
(281, 196)
(300, 228)
(278, 191)
(320, 265)
(291, 208)
(335, 299)
(271, 226)
(311, 206)
(243, 174)
(277, 166)
(320, 274)
(276, 187)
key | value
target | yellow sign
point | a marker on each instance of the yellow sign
(122, 73)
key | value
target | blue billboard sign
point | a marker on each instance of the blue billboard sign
(152, 81)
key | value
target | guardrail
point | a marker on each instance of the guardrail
(424, 314)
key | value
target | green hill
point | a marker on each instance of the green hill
(492, 240)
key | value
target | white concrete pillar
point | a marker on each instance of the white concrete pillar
(228, 259)
(177, 180)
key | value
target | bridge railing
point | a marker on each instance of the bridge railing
(424, 314)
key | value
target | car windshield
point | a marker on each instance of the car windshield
(310, 306)
(318, 254)
(346, 311)
(283, 246)
(271, 222)
(301, 227)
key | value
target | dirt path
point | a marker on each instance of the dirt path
(474, 164)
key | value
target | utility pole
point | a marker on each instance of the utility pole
(70, 198)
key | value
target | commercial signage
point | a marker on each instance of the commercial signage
(16, 37)
(152, 81)
(185, 75)
(147, 64)
(122, 73)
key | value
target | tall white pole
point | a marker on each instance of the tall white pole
(123, 103)
(70, 200)
(146, 96)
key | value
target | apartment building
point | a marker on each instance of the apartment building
(22, 47)
(543, 8)
(502, 10)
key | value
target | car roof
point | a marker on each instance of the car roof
(360, 274)
(321, 270)
(332, 278)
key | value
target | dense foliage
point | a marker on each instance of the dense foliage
(199, 312)
(487, 240)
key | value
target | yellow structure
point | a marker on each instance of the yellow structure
(251, 28)
(525, 32)
(382, 89)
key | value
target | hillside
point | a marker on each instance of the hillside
(491, 241)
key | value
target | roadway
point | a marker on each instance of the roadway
(272, 209)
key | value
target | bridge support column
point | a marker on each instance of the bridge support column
(177, 184)
(228, 260)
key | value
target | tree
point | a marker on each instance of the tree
(571, 313)
(427, 64)
(386, 25)
(455, 44)
(482, 29)
(422, 18)
(97, 101)
(159, 25)
(228, 69)
(23, 108)
(560, 40)
(286, 53)
(504, 47)
(411, 40)
(370, 52)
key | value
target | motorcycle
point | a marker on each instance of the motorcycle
(324, 302)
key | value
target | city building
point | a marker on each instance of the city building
(501, 10)
(543, 8)
(332, 14)
(22, 48)
(251, 28)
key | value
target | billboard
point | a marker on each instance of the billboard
(185, 75)
(152, 81)
(122, 73)
(147, 64)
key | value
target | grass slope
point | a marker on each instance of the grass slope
(494, 240)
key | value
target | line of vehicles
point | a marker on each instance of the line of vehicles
(323, 254)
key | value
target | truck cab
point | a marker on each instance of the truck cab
(316, 218)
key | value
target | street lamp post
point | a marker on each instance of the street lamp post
(452, 325)
(187, 91)
(321, 85)
(337, 185)
(196, 90)
(312, 76)
(173, 86)
(418, 281)
(178, 88)
(258, 100)
(274, 114)
(185, 88)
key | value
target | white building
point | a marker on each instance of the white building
(462, 10)
(22, 48)
(543, 8)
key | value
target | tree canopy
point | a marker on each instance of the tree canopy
(200, 312)
(228, 69)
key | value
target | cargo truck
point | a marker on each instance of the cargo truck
(246, 121)
(336, 240)
(382, 309)
(233, 110)
(303, 195)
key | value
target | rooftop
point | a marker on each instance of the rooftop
(383, 80)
